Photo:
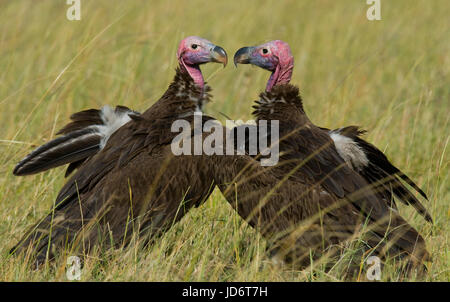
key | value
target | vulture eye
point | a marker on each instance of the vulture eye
(194, 46)
(265, 51)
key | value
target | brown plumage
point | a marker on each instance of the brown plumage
(312, 202)
(134, 183)
(361, 156)
(80, 139)
(341, 172)
(382, 174)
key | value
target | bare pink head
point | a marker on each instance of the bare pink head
(194, 51)
(275, 56)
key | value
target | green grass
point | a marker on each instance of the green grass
(389, 76)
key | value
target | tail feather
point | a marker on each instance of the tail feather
(84, 136)
(403, 194)
(65, 149)
(81, 120)
(402, 241)
(67, 229)
(412, 184)
(380, 172)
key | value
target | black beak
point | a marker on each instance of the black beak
(242, 56)
(219, 55)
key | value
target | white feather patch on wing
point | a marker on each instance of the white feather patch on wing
(349, 150)
(112, 121)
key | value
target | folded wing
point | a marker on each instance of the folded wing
(375, 167)
(84, 136)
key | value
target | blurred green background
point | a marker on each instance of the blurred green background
(391, 77)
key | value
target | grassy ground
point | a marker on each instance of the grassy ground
(390, 76)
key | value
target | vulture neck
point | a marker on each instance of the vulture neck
(278, 103)
(183, 98)
(195, 73)
(281, 75)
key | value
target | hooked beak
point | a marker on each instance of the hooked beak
(219, 55)
(242, 56)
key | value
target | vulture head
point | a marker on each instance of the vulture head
(194, 51)
(274, 56)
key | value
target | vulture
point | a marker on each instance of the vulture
(127, 180)
(342, 185)
(307, 206)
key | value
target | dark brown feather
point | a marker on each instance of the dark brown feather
(133, 183)
(79, 140)
(72, 147)
(384, 175)
(321, 202)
